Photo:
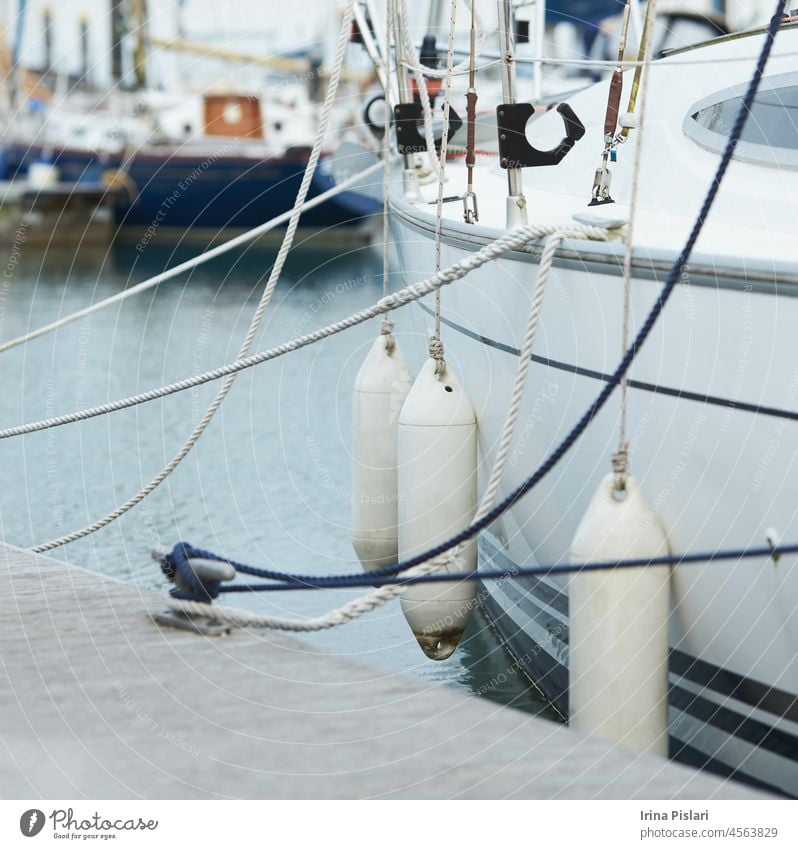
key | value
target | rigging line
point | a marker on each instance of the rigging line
(178, 559)
(387, 324)
(403, 19)
(436, 346)
(573, 435)
(373, 50)
(189, 264)
(609, 64)
(470, 212)
(621, 458)
(285, 247)
(365, 579)
(626, 361)
(601, 181)
(616, 84)
(658, 389)
(420, 69)
(463, 67)
(642, 59)
(514, 240)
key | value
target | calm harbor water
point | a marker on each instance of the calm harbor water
(269, 482)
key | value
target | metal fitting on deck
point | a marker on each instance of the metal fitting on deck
(197, 579)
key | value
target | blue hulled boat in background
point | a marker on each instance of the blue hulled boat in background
(202, 163)
(185, 145)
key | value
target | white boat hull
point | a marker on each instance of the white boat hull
(719, 470)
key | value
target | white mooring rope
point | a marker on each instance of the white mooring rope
(376, 598)
(514, 240)
(386, 328)
(620, 459)
(285, 247)
(436, 350)
(190, 264)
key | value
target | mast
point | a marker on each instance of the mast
(84, 49)
(362, 18)
(409, 175)
(47, 33)
(139, 11)
(428, 55)
(516, 202)
(434, 16)
(470, 209)
(117, 34)
(540, 40)
(180, 18)
(17, 51)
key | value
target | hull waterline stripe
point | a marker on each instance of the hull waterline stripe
(718, 679)
(682, 394)
(543, 590)
(737, 725)
(550, 676)
(724, 681)
(690, 755)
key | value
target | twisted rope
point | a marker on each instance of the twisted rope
(620, 468)
(285, 247)
(338, 616)
(436, 350)
(413, 577)
(524, 362)
(513, 240)
(621, 457)
(376, 575)
(386, 327)
(369, 601)
(189, 264)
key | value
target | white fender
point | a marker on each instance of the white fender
(618, 623)
(437, 454)
(381, 387)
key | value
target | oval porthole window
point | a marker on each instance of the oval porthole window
(770, 135)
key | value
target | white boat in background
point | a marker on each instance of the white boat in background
(718, 462)
(188, 154)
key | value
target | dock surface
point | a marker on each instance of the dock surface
(99, 702)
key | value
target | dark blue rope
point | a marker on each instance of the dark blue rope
(601, 399)
(367, 579)
(176, 564)
(183, 551)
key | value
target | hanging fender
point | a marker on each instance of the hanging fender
(514, 149)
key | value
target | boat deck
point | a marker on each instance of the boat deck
(99, 702)
(753, 218)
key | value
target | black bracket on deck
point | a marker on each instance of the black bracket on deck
(514, 149)
(409, 138)
(196, 624)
